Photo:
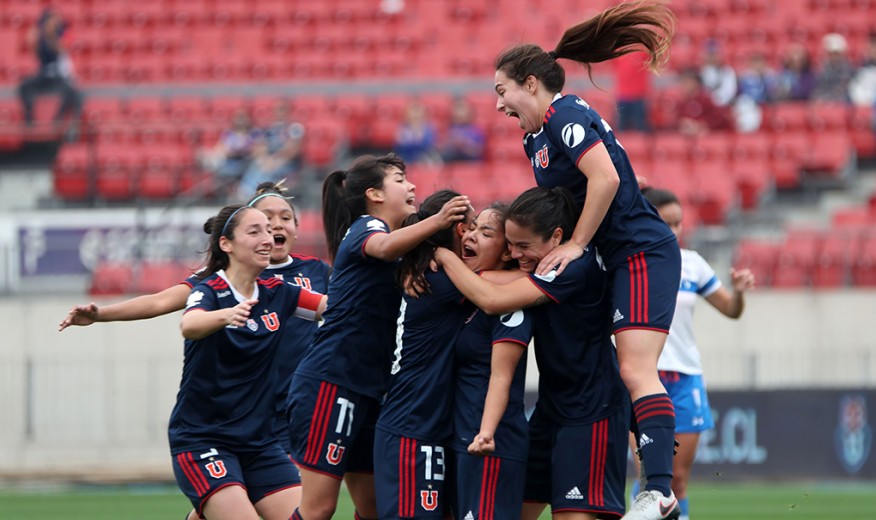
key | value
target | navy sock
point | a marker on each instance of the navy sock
(296, 515)
(655, 416)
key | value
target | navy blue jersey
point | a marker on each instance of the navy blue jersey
(417, 404)
(312, 274)
(571, 128)
(354, 345)
(579, 381)
(226, 397)
(474, 351)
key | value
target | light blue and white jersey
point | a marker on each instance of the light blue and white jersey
(697, 279)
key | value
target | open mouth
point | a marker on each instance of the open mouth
(512, 113)
(410, 201)
(468, 252)
(279, 240)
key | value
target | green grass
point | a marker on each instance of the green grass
(726, 501)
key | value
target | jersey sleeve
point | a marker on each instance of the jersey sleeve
(707, 281)
(362, 230)
(573, 129)
(514, 327)
(202, 298)
(560, 288)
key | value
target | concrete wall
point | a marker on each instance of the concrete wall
(96, 400)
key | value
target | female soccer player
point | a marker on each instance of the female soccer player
(681, 370)
(226, 458)
(578, 431)
(336, 391)
(570, 145)
(414, 423)
(304, 271)
(490, 433)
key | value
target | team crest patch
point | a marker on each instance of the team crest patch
(429, 499)
(252, 325)
(217, 469)
(542, 157)
(853, 435)
(334, 454)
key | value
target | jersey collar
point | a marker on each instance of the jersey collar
(237, 296)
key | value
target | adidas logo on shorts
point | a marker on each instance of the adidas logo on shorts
(468, 516)
(617, 315)
(574, 494)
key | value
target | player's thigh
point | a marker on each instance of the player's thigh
(230, 503)
(279, 505)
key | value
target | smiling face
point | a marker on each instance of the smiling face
(252, 243)
(397, 196)
(483, 245)
(515, 100)
(528, 247)
(283, 226)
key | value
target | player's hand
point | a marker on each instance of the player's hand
(559, 258)
(80, 315)
(742, 280)
(238, 314)
(416, 286)
(453, 211)
(482, 445)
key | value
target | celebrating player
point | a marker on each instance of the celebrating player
(336, 391)
(578, 431)
(414, 424)
(570, 145)
(226, 458)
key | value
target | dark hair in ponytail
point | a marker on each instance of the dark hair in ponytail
(343, 195)
(545, 209)
(619, 30)
(415, 262)
(269, 188)
(659, 198)
(222, 225)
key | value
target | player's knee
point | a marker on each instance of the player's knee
(321, 511)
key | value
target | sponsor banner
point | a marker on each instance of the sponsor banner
(790, 434)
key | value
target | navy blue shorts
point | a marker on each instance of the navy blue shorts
(688, 394)
(645, 287)
(578, 468)
(409, 481)
(204, 471)
(488, 488)
(331, 428)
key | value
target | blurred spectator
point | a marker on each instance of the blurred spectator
(717, 76)
(632, 83)
(758, 82)
(796, 79)
(55, 72)
(835, 74)
(276, 154)
(465, 140)
(862, 90)
(415, 138)
(697, 112)
(232, 154)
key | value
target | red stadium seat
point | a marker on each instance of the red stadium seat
(156, 276)
(796, 258)
(71, 172)
(833, 260)
(759, 256)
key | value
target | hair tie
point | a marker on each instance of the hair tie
(552, 55)
(271, 194)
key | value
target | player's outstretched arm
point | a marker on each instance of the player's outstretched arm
(199, 323)
(391, 246)
(490, 297)
(139, 308)
(732, 304)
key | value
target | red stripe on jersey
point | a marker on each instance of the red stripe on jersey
(550, 112)
(196, 471)
(599, 442)
(296, 256)
(218, 284)
(542, 290)
(181, 460)
(319, 423)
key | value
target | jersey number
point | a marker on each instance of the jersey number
(438, 472)
(345, 416)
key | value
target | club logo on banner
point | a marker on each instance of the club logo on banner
(853, 435)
